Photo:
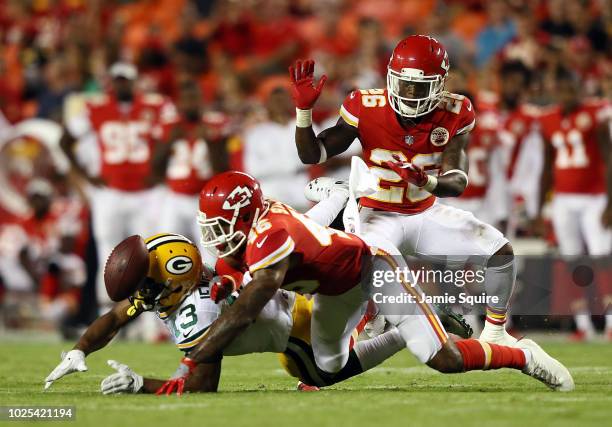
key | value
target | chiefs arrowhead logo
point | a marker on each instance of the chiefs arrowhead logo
(238, 198)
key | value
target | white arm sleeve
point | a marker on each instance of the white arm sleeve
(327, 210)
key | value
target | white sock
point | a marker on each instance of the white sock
(583, 322)
(608, 322)
(374, 351)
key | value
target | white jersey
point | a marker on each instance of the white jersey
(269, 333)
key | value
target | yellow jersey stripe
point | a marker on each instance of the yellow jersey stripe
(275, 256)
(348, 117)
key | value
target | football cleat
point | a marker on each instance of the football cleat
(453, 323)
(546, 369)
(305, 387)
(322, 188)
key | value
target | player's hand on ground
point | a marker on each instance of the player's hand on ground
(123, 381)
(72, 361)
(407, 171)
(221, 287)
(303, 89)
(177, 382)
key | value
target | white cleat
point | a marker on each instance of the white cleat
(544, 368)
(322, 188)
(497, 335)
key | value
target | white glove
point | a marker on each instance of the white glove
(72, 361)
(124, 381)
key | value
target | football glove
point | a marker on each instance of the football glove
(177, 383)
(221, 287)
(408, 172)
(303, 90)
(72, 361)
(123, 381)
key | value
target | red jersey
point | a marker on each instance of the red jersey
(382, 136)
(513, 126)
(331, 260)
(126, 137)
(190, 166)
(483, 141)
(579, 166)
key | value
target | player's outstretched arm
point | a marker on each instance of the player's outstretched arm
(99, 333)
(241, 314)
(312, 148)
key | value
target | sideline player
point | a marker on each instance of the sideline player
(578, 170)
(414, 136)
(282, 248)
(125, 125)
(192, 152)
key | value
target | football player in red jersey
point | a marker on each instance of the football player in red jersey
(578, 170)
(414, 136)
(192, 152)
(123, 126)
(282, 248)
(516, 132)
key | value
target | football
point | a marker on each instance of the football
(127, 264)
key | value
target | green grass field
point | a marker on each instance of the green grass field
(254, 392)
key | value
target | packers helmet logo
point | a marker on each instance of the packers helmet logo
(179, 265)
(238, 198)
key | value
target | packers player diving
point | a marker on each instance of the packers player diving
(189, 299)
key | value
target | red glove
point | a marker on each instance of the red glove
(221, 287)
(177, 384)
(303, 90)
(408, 172)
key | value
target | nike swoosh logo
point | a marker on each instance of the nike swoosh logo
(186, 334)
(261, 242)
(469, 107)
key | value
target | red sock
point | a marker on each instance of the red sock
(480, 355)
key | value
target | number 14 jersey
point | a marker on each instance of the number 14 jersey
(420, 142)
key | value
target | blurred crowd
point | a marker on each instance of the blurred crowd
(226, 61)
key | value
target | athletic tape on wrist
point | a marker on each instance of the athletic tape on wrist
(432, 183)
(303, 118)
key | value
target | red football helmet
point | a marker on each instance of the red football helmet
(416, 74)
(230, 204)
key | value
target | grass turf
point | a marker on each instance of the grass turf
(255, 391)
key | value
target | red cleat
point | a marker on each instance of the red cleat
(305, 387)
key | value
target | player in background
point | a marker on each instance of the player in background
(485, 162)
(122, 126)
(414, 136)
(578, 172)
(193, 150)
(283, 249)
(519, 144)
